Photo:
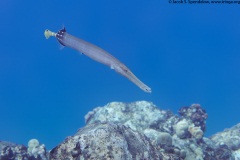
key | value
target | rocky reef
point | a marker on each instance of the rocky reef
(136, 131)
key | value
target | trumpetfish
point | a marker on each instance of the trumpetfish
(96, 53)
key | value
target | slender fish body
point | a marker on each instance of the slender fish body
(96, 54)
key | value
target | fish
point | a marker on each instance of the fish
(96, 53)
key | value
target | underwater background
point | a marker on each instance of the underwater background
(187, 53)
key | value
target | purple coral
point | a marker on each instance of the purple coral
(196, 114)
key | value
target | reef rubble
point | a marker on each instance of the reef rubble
(136, 131)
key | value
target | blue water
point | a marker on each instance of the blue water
(187, 53)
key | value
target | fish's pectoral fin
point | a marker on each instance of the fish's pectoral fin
(112, 67)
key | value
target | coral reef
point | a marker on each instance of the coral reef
(181, 129)
(229, 137)
(195, 114)
(36, 151)
(138, 130)
(107, 141)
(12, 151)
